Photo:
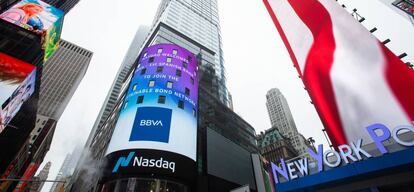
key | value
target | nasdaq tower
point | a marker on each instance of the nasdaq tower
(172, 128)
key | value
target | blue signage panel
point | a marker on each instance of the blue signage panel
(151, 124)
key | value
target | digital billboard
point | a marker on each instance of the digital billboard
(39, 17)
(17, 84)
(156, 132)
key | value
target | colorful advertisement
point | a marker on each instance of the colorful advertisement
(39, 17)
(156, 132)
(17, 84)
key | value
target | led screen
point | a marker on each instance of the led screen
(39, 17)
(17, 84)
(158, 119)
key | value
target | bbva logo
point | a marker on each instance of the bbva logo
(149, 123)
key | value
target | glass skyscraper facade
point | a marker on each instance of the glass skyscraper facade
(199, 21)
(225, 141)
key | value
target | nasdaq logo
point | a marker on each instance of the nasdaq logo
(151, 124)
(123, 162)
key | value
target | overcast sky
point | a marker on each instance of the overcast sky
(255, 59)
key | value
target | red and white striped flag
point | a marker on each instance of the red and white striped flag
(352, 78)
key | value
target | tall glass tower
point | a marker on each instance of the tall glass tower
(199, 21)
(224, 142)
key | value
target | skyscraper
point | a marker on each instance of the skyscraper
(199, 21)
(120, 77)
(44, 173)
(281, 118)
(222, 136)
(66, 170)
(62, 74)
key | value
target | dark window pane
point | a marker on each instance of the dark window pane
(143, 71)
(192, 81)
(185, 65)
(151, 59)
(187, 91)
(178, 73)
(181, 104)
(160, 69)
(161, 99)
(140, 99)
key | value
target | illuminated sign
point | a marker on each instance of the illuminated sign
(156, 132)
(17, 84)
(39, 17)
(346, 153)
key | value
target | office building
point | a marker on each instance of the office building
(274, 146)
(62, 74)
(66, 170)
(225, 141)
(43, 174)
(114, 92)
(281, 118)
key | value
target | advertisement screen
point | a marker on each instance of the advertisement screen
(17, 84)
(39, 17)
(156, 132)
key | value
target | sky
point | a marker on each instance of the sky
(255, 60)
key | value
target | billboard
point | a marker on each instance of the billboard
(17, 84)
(156, 132)
(39, 17)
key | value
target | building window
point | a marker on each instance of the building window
(169, 84)
(134, 87)
(169, 59)
(151, 59)
(151, 83)
(181, 104)
(185, 65)
(194, 113)
(174, 51)
(178, 73)
(125, 105)
(161, 99)
(187, 91)
(143, 71)
(140, 99)
(160, 69)
(189, 58)
(192, 81)
(159, 50)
